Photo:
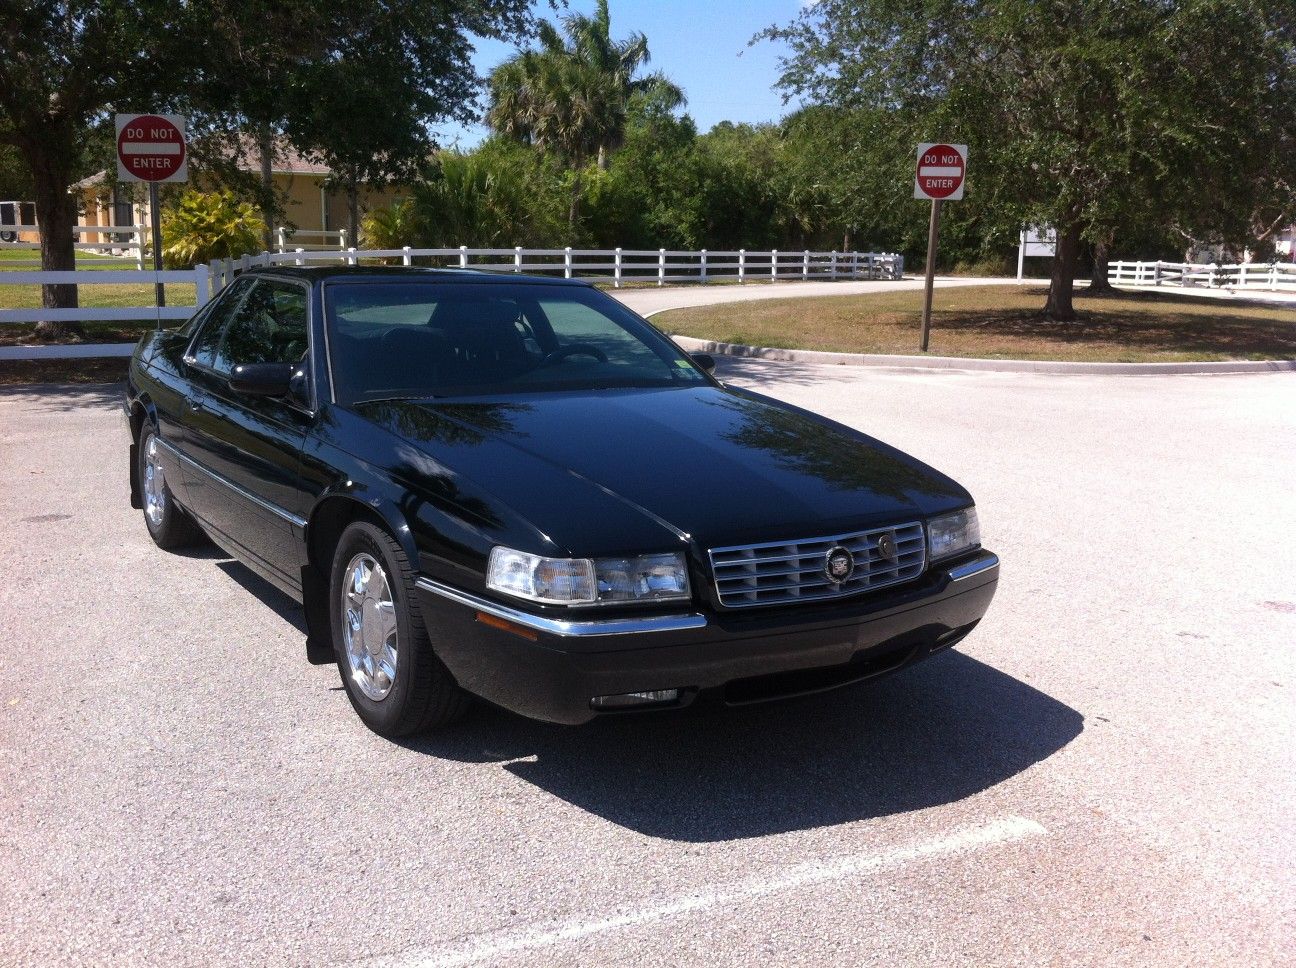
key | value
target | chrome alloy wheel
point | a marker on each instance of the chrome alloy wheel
(369, 627)
(155, 495)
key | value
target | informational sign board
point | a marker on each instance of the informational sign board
(1035, 241)
(940, 172)
(151, 148)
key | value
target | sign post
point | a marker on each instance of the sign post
(151, 148)
(938, 177)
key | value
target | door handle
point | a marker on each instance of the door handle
(195, 403)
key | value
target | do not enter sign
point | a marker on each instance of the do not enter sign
(940, 172)
(151, 148)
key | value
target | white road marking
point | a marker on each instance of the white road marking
(497, 944)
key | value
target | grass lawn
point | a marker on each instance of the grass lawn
(1003, 322)
(106, 295)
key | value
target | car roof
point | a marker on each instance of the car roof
(414, 273)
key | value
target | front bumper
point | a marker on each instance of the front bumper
(549, 668)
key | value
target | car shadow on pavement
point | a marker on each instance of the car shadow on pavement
(937, 733)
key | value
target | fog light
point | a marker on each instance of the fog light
(626, 700)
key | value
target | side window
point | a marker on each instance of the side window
(203, 350)
(268, 327)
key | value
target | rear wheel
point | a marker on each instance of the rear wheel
(393, 678)
(168, 524)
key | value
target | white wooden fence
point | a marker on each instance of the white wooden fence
(288, 239)
(127, 241)
(619, 266)
(1245, 275)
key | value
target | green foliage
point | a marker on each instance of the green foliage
(393, 227)
(487, 199)
(202, 226)
(1087, 115)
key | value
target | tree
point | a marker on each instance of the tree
(55, 84)
(1077, 112)
(234, 67)
(572, 95)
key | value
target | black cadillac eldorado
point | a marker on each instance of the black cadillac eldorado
(517, 489)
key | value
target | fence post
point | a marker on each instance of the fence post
(1273, 275)
(661, 267)
(832, 266)
(139, 249)
(773, 265)
(854, 264)
(567, 263)
(1156, 273)
(245, 263)
(202, 285)
(1210, 274)
(463, 257)
(299, 259)
(1185, 273)
(351, 256)
(1242, 275)
(282, 239)
(616, 268)
(342, 234)
(805, 265)
(742, 266)
(517, 258)
(702, 268)
(406, 258)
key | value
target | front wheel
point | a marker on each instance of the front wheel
(168, 524)
(393, 678)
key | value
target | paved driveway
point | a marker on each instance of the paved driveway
(1102, 774)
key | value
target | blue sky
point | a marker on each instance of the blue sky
(701, 46)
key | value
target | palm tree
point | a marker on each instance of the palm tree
(572, 94)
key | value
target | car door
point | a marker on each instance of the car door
(244, 452)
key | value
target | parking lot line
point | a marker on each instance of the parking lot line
(498, 944)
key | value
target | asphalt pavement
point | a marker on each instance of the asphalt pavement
(1102, 774)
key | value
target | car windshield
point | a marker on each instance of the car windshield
(412, 338)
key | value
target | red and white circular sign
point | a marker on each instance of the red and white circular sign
(151, 148)
(940, 172)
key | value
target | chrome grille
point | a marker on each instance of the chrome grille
(794, 571)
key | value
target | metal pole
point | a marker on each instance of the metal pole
(155, 217)
(932, 231)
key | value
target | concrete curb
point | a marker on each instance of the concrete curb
(69, 351)
(693, 345)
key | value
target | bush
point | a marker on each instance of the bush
(202, 226)
(393, 227)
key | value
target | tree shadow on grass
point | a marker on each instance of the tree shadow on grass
(1141, 322)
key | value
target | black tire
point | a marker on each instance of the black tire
(423, 694)
(171, 528)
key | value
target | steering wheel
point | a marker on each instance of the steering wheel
(573, 349)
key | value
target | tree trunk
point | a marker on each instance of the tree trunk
(1062, 276)
(573, 208)
(353, 210)
(265, 144)
(1098, 282)
(56, 213)
(846, 241)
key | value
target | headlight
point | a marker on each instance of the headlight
(585, 581)
(953, 533)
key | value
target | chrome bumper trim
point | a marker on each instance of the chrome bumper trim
(984, 563)
(566, 627)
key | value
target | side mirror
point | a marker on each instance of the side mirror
(704, 360)
(262, 379)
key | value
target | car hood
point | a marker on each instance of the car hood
(715, 465)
